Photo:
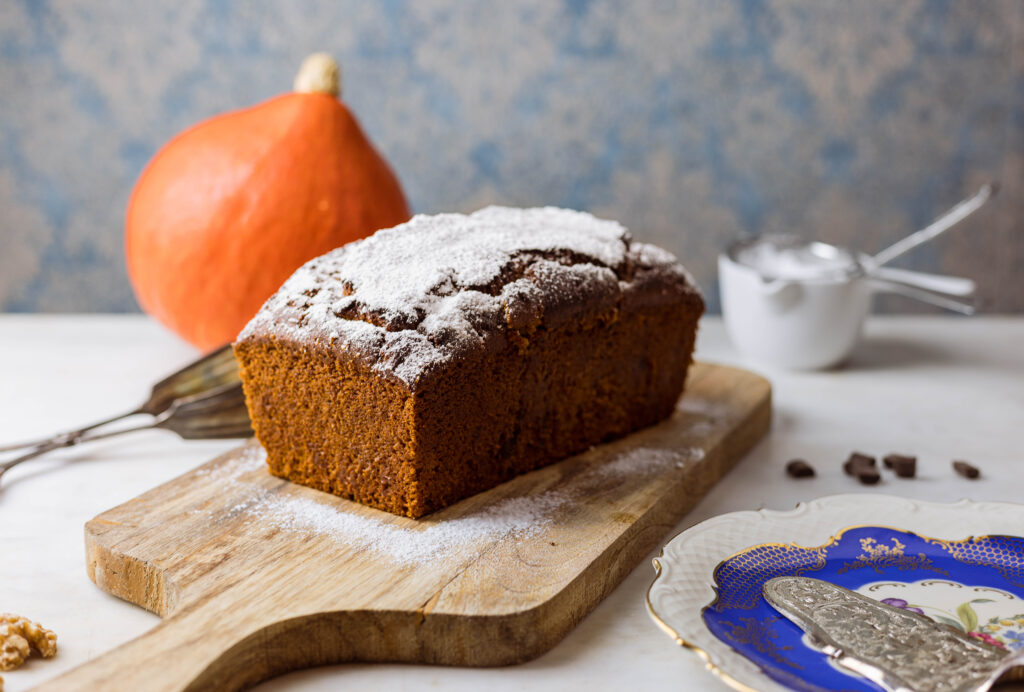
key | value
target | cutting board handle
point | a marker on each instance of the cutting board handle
(209, 646)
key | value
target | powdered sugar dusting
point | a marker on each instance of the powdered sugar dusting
(514, 518)
(640, 461)
(413, 297)
(712, 416)
(400, 269)
(249, 458)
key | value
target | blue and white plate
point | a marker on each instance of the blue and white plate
(960, 564)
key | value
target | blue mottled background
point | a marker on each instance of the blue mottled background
(692, 122)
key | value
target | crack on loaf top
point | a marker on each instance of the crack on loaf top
(439, 286)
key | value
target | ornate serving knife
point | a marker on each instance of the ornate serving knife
(897, 649)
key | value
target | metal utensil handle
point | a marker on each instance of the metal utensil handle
(215, 414)
(213, 370)
(952, 217)
(939, 283)
(964, 306)
(71, 441)
(65, 439)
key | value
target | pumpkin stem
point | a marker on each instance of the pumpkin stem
(319, 74)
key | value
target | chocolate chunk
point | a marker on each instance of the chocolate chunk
(966, 469)
(904, 465)
(858, 462)
(798, 468)
(868, 476)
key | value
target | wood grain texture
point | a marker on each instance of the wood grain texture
(247, 593)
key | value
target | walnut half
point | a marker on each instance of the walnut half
(18, 636)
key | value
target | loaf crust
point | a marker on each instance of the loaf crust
(444, 356)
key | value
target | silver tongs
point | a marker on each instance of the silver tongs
(203, 400)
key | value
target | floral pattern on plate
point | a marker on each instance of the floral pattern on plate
(993, 615)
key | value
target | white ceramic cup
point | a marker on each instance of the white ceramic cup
(801, 324)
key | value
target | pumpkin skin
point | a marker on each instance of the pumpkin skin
(229, 208)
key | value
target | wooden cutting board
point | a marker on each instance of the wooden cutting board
(255, 576)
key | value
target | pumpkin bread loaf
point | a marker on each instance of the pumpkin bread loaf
(446, 355)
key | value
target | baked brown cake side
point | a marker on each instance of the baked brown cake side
(331, 423)
(447, 355)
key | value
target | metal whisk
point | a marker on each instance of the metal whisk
(203, 400)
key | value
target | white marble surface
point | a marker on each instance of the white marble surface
(942, 388)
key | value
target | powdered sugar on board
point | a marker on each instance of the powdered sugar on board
(462, 537)
(710, 417)
(518, 517)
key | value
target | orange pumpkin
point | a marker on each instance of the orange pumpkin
(229, 208)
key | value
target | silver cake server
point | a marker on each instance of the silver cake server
(898, 649)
